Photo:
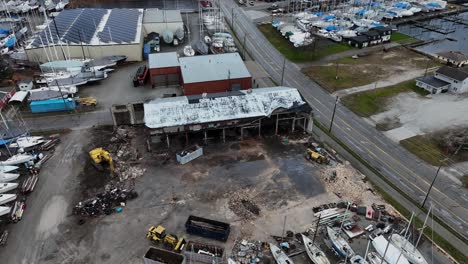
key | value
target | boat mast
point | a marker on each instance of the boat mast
(344, 216)
(316, 229)
(406, 240)
(422, 229)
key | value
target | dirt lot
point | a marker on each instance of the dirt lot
(397, 65)
(269, 173)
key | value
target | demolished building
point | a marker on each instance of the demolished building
(236, 110)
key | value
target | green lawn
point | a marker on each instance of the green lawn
(374, 101)
(303, 54)
(425, 148)
(348, 76)
(401, 38)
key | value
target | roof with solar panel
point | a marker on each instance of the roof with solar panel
(92, 26)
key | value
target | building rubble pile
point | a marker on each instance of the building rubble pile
(241, 203)
(105, 202)
(126, 156)
(245, 252)
(345, 181)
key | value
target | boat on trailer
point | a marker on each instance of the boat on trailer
(315, 254)
(8, 177)
(279, 255)
(6, 187)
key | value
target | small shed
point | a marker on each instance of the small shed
(361, 41)
(373, 36)
(384, 32)
(214, 74)
(164, 69)
(25, 84)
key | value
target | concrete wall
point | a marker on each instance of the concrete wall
(132, 51)
(216, 86)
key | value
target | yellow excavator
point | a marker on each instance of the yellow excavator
(158, 234)
(100, 156)
(316, 156)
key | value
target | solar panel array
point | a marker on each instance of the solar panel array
(121, 27)
(71, 25)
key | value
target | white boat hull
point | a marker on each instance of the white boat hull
(6, 198)
(409, 251)
(392, 254)
(17, 159)
(6, 187)
(8, 177)
(314, 253)
(4, 210)
(279, 255)
(8, 168)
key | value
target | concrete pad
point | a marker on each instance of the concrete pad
(399, 134)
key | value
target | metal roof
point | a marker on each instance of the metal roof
(454, 55)
(453, 73)
(432, 81)
(155, 15)
(213, 68)
(163, 60)
(183, 110)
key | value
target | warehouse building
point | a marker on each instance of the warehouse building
(159, 21)
(200, 74)
(90, 33)
(252, 112)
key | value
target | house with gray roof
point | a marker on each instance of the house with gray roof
(445, 79)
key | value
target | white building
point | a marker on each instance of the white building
(90, 33)
(159, 21)
(454, 58)
(445, 79)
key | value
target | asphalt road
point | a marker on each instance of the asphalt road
(402, 168)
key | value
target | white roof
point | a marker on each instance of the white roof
(213, 68)
(19, 96)
(154, 15)
(183, 110)
(163, 60)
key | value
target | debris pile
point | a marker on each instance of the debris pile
(345, 181)
(129, 172)
(245, 252)
(243, 205)
(104, 203)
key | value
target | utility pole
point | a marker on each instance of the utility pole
(81, 42)
(284, 227)
(59, 37)
(282, 73)
(333, 115)
(432, 184)
(336, 71)
(243, 45)
(232, 20)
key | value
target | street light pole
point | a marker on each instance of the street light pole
(282, 73)
(333, 115)
(243, 45)
(430, 187)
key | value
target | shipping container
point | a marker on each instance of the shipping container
(207, 228)
(53, 105)
(161, 256)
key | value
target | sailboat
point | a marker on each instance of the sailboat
(315, 253)
(6, 198)
(17, 159)
(8, 168)
(409, 250)
(390, 253)
(339, 244)
(27, 142)
(356, 259)
(4, 210)
(6, 187)
(279, 255)
(374, 258)
(8, 177)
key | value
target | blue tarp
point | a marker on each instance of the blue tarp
(392, 13)
(10, 42)
(374, 24)
(332, 28)
(5, 141)
(329, 17)
(375, 4)
(275, 22)
(401, 5)
(361, 12)
(4, 31)
(433, 4)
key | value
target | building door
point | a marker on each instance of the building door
(159, 80)
(173, 79)
(235, 86)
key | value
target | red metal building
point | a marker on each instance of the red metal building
(164, 69)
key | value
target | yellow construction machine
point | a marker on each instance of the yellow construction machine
(158, 234)
(100, 156)
(316, 156)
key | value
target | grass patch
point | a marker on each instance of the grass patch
(425, 148)
(374, 101)
(303, 54)
(401, 38)
(440, 241)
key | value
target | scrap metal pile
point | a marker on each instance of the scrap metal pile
(106, 202)
(242, 205)
(245, 252)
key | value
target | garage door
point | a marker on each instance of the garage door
(159, 80)
(235, 87)
(173, 79)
